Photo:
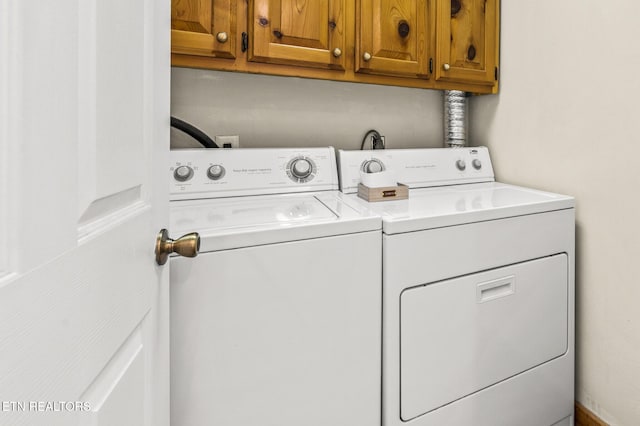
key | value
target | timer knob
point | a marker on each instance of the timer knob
(183, 173)
(301, 168)
(477, 164)
(461, 165)
(373, 166)
(215, 172)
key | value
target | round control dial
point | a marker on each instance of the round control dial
(183, 173)
(301, 169)
(372, 166)
(215, 172)
(461, 165)
(477, 164)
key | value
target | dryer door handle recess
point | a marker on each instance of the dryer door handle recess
(188, 246)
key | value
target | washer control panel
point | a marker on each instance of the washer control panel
(417, 168)
(214, 173)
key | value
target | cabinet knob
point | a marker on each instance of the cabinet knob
(222, 37)
(337, 52)
(366, 56)
(446, 67)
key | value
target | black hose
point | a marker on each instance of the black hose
(376, 137)
(194, 132)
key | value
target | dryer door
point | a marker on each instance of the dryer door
(463, 335)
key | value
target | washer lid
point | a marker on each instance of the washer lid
(236, 222)
(437, 207)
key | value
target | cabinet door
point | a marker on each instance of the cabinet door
(467, 41)
(204, 27)
(393, 37)
(298, 32)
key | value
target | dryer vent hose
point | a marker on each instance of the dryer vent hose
(456, 121)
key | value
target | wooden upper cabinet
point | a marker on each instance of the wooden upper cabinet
(204, 27)
(309, 33)
(467, 41)
(435, 44)
(393, 37)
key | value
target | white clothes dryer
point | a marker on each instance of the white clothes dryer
(478, 292)
(277, 321)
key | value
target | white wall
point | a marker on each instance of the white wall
(269, 111)
(566, 120)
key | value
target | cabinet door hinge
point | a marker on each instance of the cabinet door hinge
(496, 74)
(430, 65)
(245, 42)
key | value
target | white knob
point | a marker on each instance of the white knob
(337, 52)
(366, 56)
(222, 37)
(477, 164)
(215, 172)
(461, 165)
(374, 167)
(183, 173)
(301, 168)
(446, 67)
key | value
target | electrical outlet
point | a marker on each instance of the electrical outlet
(379, 143)
(228, 141)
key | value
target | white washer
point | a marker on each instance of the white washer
(478, 293)
(277, 321)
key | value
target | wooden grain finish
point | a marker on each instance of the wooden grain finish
(303, 22)
(343, 26)
(468, 30)
(585, 417)
(196, 23)
(387, 193)
(192, 16)
(301, 32)
(316, 73)
(467, 41)
(395, 34)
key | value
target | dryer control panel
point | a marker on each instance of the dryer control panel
(215, 173)
(417, 168)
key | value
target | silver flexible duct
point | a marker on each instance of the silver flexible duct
(455, 118)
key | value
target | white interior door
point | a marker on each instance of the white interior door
(84, 113)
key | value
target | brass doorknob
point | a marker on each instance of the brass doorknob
(188, 245)
(222, 37)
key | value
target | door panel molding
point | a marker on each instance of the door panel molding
(120, 386)
(111, 126)
(5, 132)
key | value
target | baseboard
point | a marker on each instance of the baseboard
(584, 417)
